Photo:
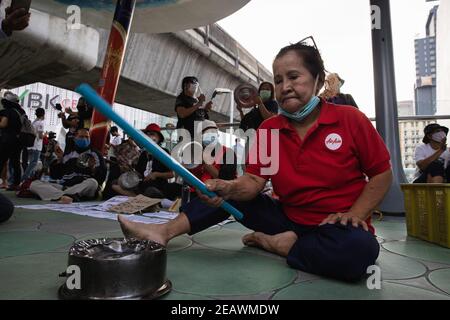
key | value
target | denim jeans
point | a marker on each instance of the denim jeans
(33, 156)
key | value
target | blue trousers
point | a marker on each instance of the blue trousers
(34, 158)
(336, 251)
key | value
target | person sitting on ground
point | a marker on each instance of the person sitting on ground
(432, 157)
(189, 108)
(265, 107)
(332, 92)
(319, 168)
(6, 208)
(35, 151)
(114, 142)
(126, 157)
(80, 172)
(155, 174)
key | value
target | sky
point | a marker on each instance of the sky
(342, 31)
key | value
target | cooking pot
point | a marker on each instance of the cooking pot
(244, 95)
(116, 269)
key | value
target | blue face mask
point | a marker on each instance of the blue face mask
(82, 143)
(303, 113)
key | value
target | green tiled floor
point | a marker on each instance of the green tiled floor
(214, 264)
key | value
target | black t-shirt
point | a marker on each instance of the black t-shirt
(253, 119)
(199, 115)
(157, 166)
(14, 122)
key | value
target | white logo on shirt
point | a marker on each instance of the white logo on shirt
(333, 141)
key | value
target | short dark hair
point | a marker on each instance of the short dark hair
(312, 59)
(272, 88)
(114, 129)
(187, 80)
(40, 112)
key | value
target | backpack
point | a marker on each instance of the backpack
(27, 134)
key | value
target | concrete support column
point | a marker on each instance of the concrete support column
(386, 101)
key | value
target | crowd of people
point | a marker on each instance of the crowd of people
(333, 171)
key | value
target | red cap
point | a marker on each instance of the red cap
(153, 127)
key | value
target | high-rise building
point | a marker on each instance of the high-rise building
(425, 49)
(443, 61)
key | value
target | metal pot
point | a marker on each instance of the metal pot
(130, 180)
(117, 269)
(244, 95)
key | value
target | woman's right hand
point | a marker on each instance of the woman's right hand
(222, 188)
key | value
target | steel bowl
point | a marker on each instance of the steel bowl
(116, 269)
(244, 95)
(130, 180)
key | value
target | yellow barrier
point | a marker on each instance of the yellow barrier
(427, 209)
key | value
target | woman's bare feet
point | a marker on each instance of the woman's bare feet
(279, 244)
(65, 200)
(142, 231)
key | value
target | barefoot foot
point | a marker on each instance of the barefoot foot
(65, 200)
(279, 244)
(142, 231)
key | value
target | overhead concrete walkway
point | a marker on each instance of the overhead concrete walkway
(153, 68)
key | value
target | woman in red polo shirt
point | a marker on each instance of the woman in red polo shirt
(321, 157)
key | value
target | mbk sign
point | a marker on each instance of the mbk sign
(38, 100)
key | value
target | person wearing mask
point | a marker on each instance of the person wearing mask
(48, 152)
(35, 151)
(332, 92)
(10, 146)
(432, 157)
(115, 141)
(265, 107)
(72, 124)
(78, 174)
(330, 169)
(189, 107)
(155, 174)
(217, 162)
(15, 20)
(84, 113)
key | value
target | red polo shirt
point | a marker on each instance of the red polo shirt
(324, 173)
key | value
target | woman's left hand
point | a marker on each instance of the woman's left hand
(344, 218)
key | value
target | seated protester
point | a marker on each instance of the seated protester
(126, 157)
(432, 157)
(265, 107)
(114, 142)
(319, 164)
(81, 172)
(189, 108)
(332, 92)
(155, 174)
(219, 162)
(6, 208)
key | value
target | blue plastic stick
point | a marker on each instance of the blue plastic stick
(105, 108)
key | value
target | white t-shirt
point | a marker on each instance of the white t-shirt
(39, 128)
(424, 151)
